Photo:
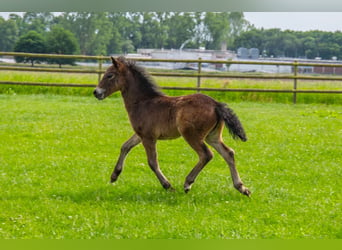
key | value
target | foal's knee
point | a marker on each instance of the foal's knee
(230, 151)
(208, 156)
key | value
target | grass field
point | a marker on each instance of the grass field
(181, 82)
(57, 153)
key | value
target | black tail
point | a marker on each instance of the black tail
(231, 120)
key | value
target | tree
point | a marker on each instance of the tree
(153, 29)
(181, 29)
(36, 21)
(200, 30)
(291, 44)
(128, 26)
(61, 41)
(310, 47)
(115, 43)
(237, 25)
(32, 42)
(125, 32)
(278, 43)
(9, 32)
(83, 26)
(218, 28)
(103, 34)
(250, 39)
(149, 30)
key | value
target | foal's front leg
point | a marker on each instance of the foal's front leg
(125, 148)
(150, 148)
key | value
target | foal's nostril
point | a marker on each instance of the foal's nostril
(96, 93)
(99, 93)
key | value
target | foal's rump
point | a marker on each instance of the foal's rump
(195, 113)
(199, 114)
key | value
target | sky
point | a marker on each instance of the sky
(298, 21)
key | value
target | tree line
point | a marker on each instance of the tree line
(109, 33)
(124, 32)
(295, 44)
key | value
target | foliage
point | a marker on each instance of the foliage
(124, 32)
(36, 21)
(9, 33)
(57, 153)
(32, 42)
(153, 30)
(109, 33)
(278, 43)
(218, 26)
(181, 28)
(61, 41)
(57, 41)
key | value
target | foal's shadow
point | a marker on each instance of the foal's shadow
(148, 195)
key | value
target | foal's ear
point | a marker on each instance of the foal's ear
(115, 63)
(118, 64)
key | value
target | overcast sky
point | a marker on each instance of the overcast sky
(300, 21)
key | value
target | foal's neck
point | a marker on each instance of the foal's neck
(137, 91)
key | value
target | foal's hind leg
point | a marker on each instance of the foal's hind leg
(150, 148)
(204, 155)
(203, 152)
(125, 148)
(215, 140)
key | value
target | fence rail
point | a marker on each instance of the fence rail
(295, 76)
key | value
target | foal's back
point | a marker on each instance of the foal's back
(170, 117)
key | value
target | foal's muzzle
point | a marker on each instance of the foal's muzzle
(99, 93)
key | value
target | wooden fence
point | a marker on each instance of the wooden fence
(294, 76)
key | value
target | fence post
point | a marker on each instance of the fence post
(295, 72)
(199, 74)
(100, 69)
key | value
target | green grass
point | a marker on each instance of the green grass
(260, 84)
(47, 77)
(180, 82)
(57, 153)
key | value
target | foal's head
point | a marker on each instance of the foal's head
(112, 80)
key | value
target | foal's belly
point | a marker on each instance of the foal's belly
(169, 135)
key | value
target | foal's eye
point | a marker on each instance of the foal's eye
(110, 76)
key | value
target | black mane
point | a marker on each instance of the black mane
(146, 84)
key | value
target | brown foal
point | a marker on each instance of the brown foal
(155, 116)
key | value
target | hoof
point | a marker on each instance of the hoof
(113, 179)
(243, 190)
(167, 186)
(187, 185)
(247, 192)
(187, 188)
